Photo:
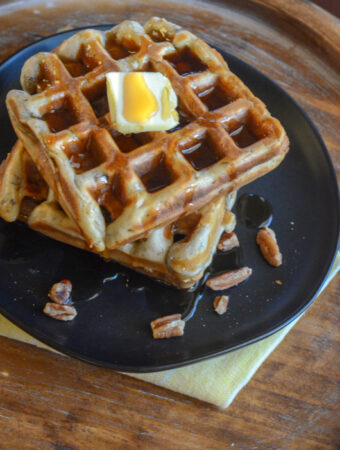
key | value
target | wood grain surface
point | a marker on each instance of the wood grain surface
(332, 6)
(52, 401)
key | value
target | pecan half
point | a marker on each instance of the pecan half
(229, 279)
(221, 304)
(60, 292)
(228, 241)
(60, 312)
(266, 240)
(167, 326)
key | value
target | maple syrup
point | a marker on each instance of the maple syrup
(100, 106)
(76, 68)
(116, 50)
(36, 186)
(186, 62)
(60, 119)
(43, 81)
(214, 98)
(200, 155)
(84, 156)
(43, 84)
(184, 119)
(106, 214)
(158, 177)
(96, 95)
(254, 211)
(129, 142)
(26, 207)
(243, 137)
(110, 203)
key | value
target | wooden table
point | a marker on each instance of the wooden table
(332, 6)
(51, 401)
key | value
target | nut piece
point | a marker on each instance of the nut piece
(266, 239)
(221, 304)
(167, 326)
(60, 292)
(229, 279)
(60, 312)
(228, 241)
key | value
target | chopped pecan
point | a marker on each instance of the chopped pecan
(60, 312)
(60, 292)
(266, 240)
(229, 279)
(228, 241)
(221, 304)
(167, 326)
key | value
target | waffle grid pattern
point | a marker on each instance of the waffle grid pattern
(116, 187)
(177, 253)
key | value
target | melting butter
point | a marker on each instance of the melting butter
(139, 103)
(167, 105)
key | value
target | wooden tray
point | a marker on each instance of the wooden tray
(292, 400)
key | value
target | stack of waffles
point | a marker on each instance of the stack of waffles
(157, 202)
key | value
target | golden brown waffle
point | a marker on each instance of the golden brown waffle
(116, 187)
(25, 195)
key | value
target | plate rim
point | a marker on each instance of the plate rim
(245, 342)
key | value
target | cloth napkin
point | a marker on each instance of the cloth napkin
(216, 380)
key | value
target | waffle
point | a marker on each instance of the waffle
(25, 195)
(117, 187)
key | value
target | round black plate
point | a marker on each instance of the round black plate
(112, 327)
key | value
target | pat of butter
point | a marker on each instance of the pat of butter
(141, 101)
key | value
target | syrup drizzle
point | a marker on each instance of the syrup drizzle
(200, 155)
(158, 177)
(214, 98)
(184, 119)
(243, 137)
(60, 119)
(186, 62)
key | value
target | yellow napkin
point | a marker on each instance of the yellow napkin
(216, 380)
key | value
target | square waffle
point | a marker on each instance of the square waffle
(117, 187)
(25, 195)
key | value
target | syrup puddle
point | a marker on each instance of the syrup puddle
(254, 211)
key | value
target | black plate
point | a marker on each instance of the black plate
(112, 326)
